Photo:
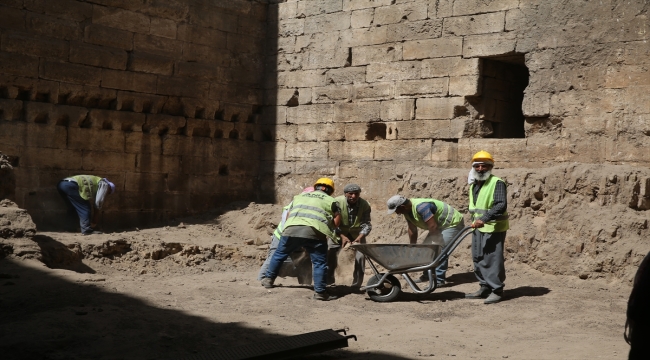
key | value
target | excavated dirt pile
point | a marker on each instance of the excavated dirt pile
(14, 221)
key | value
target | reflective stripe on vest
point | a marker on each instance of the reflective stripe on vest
(313, 209)
(446, 216)
(484, 203)
(345, 227)
(88, 185)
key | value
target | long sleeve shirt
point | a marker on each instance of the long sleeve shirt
(353, 211)
(500, 203)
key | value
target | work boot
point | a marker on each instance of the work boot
(481, 293)
(268, 283)
(494, 297)
(324, 296)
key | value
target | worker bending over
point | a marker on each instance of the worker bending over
(85, 194)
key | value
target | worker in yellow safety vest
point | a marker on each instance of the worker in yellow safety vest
(488, 207)
(311, 219)
(85, 194)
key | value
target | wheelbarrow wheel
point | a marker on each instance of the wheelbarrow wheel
(387, 291)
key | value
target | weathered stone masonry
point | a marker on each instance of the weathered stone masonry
(160, 96)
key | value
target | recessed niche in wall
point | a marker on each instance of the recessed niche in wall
(503, 80)
(223, 170)
(234, 134)
(376, 131)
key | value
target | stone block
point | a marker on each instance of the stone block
(396, 71)
(355, 131)
(163, 28)
(164, 124)
(438, 108)
(200, 127)
(291, 27)
(299, 79)
(286, 10)
(99, 56)
(468, 7)
(594, 102)
(318, 42)
(393, 14)
(376, 54)
(364, 4)
(202, 36)
(449, 66)
(201, 71)
(243, 44)
(352, 150)
(116, 120)
(316, 168)
(79, 74)
(95, 139)
(46, 158)
(86, 96)
(415, 30)
(441, 8)
(277, 167)
(489, 44)
(432, 48)
(361, 18)
(422, 129)
(374, 91)
(436, 86)
(336, 58)
(158, 163)
(317, 132)
(272, 151)
(13, 19)
(306, 151)
(121, 19)
(274, 115)
(330, 94)
(286, 133)
(357, 112)
(392, 110)
(536, 105)
(317, 7)
(11, 109)
(53, 27)
(34, 46)
(236, 112)
(127, 80)
(327, 23)
(140, 143)
(18, 133)
(283, 45)
(475, 24)
(444, 151)
(545, 148)
(502, 150)
(362, 37)
(145, 182)
(348, 75)
(415, 150)
(150, 63)
(108, 36)
(37, 112)
(174, 86)
(16, 64)
(464, 85)
(64, 9)
(286, 62)
(310, 114)
(157, 45)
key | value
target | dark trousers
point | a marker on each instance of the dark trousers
(69, 191)
(487, 254)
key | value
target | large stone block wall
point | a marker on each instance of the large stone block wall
(162, 97)
(364, 87)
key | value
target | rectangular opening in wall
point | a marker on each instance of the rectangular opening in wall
(504, 80)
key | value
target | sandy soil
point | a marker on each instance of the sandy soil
(181, 291)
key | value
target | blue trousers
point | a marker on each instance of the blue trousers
(69, 191)
(317, 250)
(447, 235)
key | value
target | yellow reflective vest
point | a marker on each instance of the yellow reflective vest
(446, 216)
(355, 228)
(88, 185)
(313, 209)
(484, 203)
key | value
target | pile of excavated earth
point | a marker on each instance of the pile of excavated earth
(577, 236)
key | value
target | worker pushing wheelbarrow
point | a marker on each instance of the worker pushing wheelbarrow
(401, 259)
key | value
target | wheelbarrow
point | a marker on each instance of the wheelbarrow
(401, 259)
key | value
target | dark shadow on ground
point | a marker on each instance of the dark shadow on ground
(462, 278)
(441, 294)
(46, 317)
(530, 291)
(59, 256)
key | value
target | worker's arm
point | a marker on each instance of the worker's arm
(413, 233)
(433, 226)
(365, 227)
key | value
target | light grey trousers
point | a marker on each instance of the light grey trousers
(487, 254)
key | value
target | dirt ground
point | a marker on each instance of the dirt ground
(190, 289)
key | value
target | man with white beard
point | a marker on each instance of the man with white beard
(487, 205)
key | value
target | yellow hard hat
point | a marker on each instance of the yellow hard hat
(325, 181)
(482, 156)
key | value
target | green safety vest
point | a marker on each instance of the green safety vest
(280, 228)
(88, 185)
(445, 216)
(346, 228)
(484, 203)
(313, 209)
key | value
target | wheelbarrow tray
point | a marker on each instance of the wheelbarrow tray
(399, 256)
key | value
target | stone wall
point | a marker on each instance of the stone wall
(365, 89)
(160, 96)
